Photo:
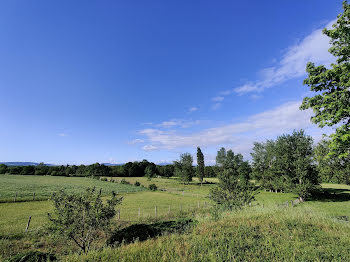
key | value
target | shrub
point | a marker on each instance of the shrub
(152, 187)
(232, 192)
(124, 182)
(137, 183)
(81, 217)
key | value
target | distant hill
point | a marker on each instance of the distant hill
(109, 164)
(23, 164)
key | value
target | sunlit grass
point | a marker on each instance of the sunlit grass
(44, 186)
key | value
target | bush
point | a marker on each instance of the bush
(152, 187)
(137, 183)
(104, 179)
(81, 217)
(124, 182)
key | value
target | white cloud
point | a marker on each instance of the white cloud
(193, 109)
(62, 134)
(136, 141)
(216, 106)
(292, 64)
(238, 136)
(218, 98)
(313, 47)
(178, 123)
(149, 148)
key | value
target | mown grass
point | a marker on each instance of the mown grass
(14, 216)
(44, 186)
(173, 185)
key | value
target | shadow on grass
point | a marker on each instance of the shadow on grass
(142, 232)
(331, 195)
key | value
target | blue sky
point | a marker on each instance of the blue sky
(117, 81)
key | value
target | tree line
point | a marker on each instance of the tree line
(130, 169)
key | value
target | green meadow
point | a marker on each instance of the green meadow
(44, 186)
(316, 230)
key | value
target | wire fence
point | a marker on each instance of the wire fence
(123, 216)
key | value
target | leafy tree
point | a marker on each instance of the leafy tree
(15, 170)
(41, 170)
(3, 169)
(263, 158)
(331, 168)
(286, 164)
(81, 217)
(210, 171)
(221, 157)
(200, 165)
(151, 171)
(331, 104)
(166, 171)
(228, 160)
(232, 192)
(183, 168)
(28, 170)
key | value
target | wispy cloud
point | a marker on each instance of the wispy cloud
(193, 109)
(218, 98)
(62, 134)
(136, 141)
(314, 47)
(178, 123)
(240, 135)
(149, 148)
(216, 106)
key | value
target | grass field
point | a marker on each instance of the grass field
(253, 235)
(263, 224)
(44, 186)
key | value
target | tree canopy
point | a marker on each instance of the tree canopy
(331, 103)
(286, 164)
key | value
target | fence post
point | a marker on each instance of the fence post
(169, 210)
(262, 205)
(183, 193)
(27, 227)
(139, 214)
(33, 196)
(292, 202)
(155, 211)
(118, 214)
(15, 197)
(100, 191)
(198, 205)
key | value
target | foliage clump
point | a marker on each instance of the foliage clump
(286, 164)
(152, 187)
(234, 189)
(81, 218)
(331, 103)
(184, 169)
(124, 182)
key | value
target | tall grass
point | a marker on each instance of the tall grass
(289, 234)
